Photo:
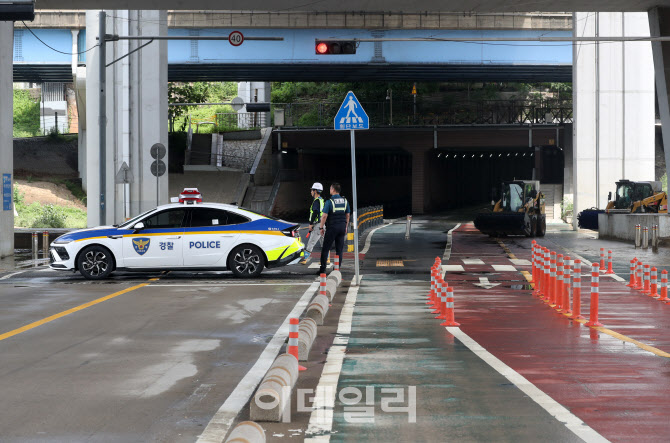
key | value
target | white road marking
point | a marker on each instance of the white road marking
(452, 268)
(218, 426)
(368, 240)
(321, 420)
(504, 268)
(615, 277)
(484, 283)
(11, 275)
(520, 261)
(472, 261)
(572, 422)
(317, 265)
(447, 250)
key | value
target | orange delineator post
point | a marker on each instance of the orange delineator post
(647, 278)
(558, 299)
(595, 290)
(442, 295)
(293, 335)
(433, 282)
(439, 289)
(577, 291)
(654, 283)
(602, 259)
(633, 262)
(547, 272)
(567, 276)
(337, 263)
(539, 271)
(609, 263)
(664, 286)
(449, 305)
(552, 278)
(639, 280)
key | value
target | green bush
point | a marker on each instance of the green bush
(18, 197)
(49, 217)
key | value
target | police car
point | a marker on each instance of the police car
(187, 235)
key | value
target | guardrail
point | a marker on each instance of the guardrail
(368, 217)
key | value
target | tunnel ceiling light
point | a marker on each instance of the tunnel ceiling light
(473, 155)
(509, 153)
(490, 155)
(439, 155)
(499, 155)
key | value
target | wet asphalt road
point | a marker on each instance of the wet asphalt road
(150, 364)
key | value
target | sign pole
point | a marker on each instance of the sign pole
(355, 207)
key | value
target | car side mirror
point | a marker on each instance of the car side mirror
(138, 226)
(609, 196)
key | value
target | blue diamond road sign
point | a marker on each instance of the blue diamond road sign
(351, 115)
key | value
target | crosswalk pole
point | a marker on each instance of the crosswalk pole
(355, 208)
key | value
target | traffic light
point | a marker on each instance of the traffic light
(322, 47)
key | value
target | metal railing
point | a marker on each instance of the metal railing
(487, 112)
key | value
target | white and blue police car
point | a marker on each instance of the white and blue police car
(185, 236)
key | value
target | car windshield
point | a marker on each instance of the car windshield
(512, 197)
(624, 196)
(135, 219)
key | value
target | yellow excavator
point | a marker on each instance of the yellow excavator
(519, 211)
(637, 197)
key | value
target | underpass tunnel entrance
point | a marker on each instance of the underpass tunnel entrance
(462, 178)
(384, 177)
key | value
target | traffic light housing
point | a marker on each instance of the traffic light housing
(329, 47)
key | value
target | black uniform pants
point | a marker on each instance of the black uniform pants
(336, 234)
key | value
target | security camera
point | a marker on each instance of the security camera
(17, 10)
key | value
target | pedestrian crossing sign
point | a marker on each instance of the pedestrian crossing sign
(351, 115)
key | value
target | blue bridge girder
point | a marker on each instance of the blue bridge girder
(294, 58)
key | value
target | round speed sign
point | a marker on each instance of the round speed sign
(235, 38)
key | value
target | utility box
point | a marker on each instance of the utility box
(279, 117)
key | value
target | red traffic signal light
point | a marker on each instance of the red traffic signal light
(335, 47)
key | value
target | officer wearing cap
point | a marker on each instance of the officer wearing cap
(336, 214)
(315, 211)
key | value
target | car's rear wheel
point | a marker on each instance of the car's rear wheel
(246, 261)
(95, 263)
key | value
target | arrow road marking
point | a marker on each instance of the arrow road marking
(484, 283)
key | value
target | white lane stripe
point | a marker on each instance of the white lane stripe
(447, 250)
(368, 240)
(218, 426)
(571, 421)
(520, 261)
(452, 268)
(504, 268)
(472, 261)
(318, 265)
(321, 419)
(11, 275)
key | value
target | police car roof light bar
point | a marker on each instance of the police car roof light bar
(190, 196)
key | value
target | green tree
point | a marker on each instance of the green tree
(197, 92)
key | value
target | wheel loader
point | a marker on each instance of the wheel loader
(637, 197)
(519, 211)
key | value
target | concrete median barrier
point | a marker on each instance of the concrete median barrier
(306, 337)
(331, 289)
(247, 432)
(318, 309)
(336, 276)
(274, 392)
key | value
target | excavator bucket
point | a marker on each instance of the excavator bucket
(503, 223)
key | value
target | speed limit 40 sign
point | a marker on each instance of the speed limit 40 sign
(235, 38)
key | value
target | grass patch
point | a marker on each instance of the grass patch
(49, 216)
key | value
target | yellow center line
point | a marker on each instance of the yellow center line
(609, 332)
(70, 311)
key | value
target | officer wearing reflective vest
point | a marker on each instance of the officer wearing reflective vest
(336, 214)
(315, 211)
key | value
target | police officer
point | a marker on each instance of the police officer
(336, 214)
(315, 211)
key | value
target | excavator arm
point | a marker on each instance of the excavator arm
(655, 203)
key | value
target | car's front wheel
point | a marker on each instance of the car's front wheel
(95, 263)
(246, 261)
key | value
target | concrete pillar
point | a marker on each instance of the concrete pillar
(136, 114)
(613, 93)
(6, 141)
(659, 24)
(255, 92)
